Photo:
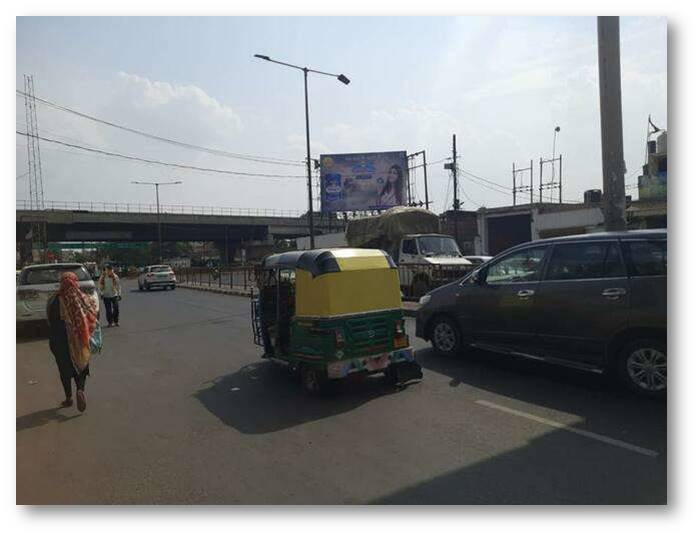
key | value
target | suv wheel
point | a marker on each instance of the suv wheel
(642, 366)
(445, 336)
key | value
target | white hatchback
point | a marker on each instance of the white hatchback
(38, 282)
(157, 275)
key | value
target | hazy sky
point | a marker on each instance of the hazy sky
(500, 84)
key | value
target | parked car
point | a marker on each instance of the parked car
(158, 275)
(38, 282)
(595, 302)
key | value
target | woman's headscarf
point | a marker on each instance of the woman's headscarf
(79, 313)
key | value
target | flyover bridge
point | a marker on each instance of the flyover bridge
(71, 221)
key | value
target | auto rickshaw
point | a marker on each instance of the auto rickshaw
(333, 313)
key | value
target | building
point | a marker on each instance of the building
(503, 227)
(649, 211)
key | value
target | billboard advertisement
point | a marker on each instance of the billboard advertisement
(363, 181)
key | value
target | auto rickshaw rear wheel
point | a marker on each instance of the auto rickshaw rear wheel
(313, 380)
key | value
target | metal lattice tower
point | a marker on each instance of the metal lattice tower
(36, 180)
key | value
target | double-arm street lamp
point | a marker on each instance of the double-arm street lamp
(306, 70)
(157, 201)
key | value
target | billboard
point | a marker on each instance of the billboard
(363, 181)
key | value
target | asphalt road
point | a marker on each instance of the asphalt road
(181, 410)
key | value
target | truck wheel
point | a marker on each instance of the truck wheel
(445, 336)
(314, 381)
(642, 367)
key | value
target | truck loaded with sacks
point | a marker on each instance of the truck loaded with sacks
(426, 258)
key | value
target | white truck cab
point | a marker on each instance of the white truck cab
(425, 260)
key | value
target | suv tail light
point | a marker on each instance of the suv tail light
(400, 340)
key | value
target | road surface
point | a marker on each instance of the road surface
(181, 410)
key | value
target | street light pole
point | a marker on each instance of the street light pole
(557, 129)
(311, 222)
(157, 204)
(344, 80)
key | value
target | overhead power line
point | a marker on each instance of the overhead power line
(217, 152)
(493, 183)
(161, 163)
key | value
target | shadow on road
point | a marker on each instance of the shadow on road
(31, 331)
(542, 471)
(603, 405)
(42, 417)
(263, 397)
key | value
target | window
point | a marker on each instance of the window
(409, 247)
(522, 266)
(589, 260)
(438, 245)
(613, 266)
(647, 257)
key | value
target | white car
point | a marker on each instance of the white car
(157, 275)
(38, 282)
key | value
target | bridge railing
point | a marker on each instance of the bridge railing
(145, 208)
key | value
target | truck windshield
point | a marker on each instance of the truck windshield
(438, 246)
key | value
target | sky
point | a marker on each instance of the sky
(501, 84)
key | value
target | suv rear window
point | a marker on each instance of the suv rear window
(160, 269)
(647, 257)
(48, 275)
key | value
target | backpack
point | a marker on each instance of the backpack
(96, 339)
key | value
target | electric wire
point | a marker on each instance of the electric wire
(217, 152)
(161, 163)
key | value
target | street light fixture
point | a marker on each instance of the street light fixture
(157, 201)
(344, 80)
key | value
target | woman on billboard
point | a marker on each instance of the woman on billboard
(391, 194)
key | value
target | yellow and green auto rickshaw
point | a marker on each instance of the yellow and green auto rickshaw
(332, 313)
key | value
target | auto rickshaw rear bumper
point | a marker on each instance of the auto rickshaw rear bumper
(403, 360)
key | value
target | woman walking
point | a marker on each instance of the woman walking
(72, 317)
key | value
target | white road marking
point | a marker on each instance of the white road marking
(585, 433)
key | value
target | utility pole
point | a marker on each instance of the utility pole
(456, 203)
(157, 201)
(36, 182)
(611, 123)
(426, 185)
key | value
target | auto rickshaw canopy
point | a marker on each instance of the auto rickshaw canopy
(340, 281)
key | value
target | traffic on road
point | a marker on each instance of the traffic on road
(190, 410)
